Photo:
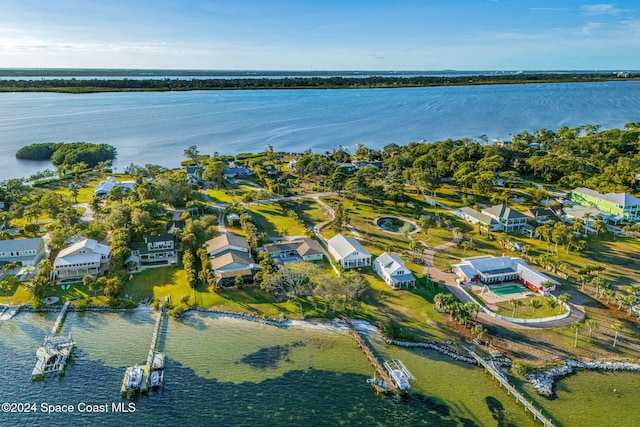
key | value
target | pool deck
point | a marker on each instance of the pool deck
(492, 299)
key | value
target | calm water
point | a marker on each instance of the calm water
(157, 127)
(231, 372)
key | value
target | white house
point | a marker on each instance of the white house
(84, 257)
(509, 219)
(474, 217)
(105, 187)
(393, 271)
(489, 269)
(348, 252)
(23, 251)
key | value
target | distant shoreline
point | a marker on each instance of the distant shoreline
(66, 83)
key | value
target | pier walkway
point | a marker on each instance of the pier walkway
(389, 384)
(498, 375)
(139, 379)
(60, 319)
(154, 338)
(53, 354)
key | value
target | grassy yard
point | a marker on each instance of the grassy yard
(275, 222)
(160, 283)
(526, 312)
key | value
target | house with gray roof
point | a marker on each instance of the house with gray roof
(509, 219)
(303, 249)
(348, 252)
(85, 257)
(473, 216)
(23, 251)
(392, 270)
(489, 269)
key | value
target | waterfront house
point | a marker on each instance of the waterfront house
(619, 205)
(303, 249)
(392, 270)
(230, 257)
(156, 251)
(105, 187)
(225, 242)
(81, 258)
(348, 252)
(489, 269)
(509, 219)
(23, 251)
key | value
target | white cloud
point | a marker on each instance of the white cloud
(600, 9)
(590, 27)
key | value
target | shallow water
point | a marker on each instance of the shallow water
(235, 372)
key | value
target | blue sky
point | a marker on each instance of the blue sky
(321, 34)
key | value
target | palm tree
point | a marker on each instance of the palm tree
(515, 303)
(564, 298)
(535, 304)
(472, 308)
(550, 302)
(591, 324)
(479, 331)
(576, 328)
(547, 285)
(617, 327)
(10, 266)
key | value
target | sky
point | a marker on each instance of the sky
(321, 34)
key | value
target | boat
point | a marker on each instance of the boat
(134, 378)
(377, 382)
(156, 378)
(400, 379)
(400, 374)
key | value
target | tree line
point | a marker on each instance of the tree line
(294, 82)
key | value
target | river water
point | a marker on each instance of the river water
(156, 127)
(232, 372)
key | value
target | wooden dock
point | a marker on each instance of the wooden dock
(154, 338)
(60, 319)
(499, 375)
(152, 371)
(389, 384)
(53, 354)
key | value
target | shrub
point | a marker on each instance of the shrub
(522, 368)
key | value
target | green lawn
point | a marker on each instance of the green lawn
(162, 282)
(274, 221)
(526, 312)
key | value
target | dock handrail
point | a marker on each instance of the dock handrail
(390, 384)
(499, 375)
(154, 338)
